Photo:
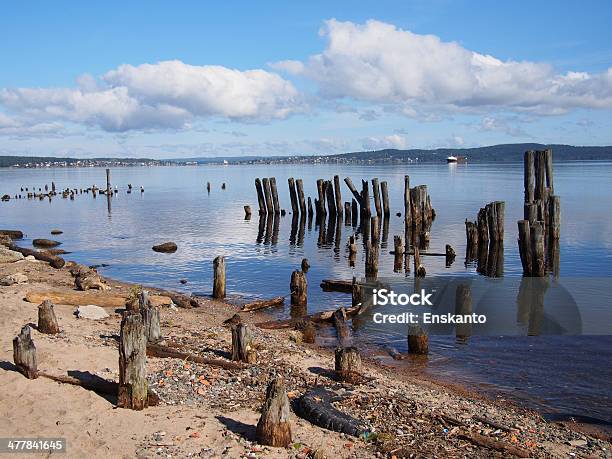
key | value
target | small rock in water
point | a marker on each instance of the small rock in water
(166, 247)
(91, 312)
(45, 243)
(56, 232)
(183, 281)
(9, 256)
(17, 278)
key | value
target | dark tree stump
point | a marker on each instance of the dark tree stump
(24, 353)
(299, 289)
(347, 364)
(132, 363)
(47, 322)
(418, 341)
(274, 428)
(309, 333)
(242, 343)
(150, 317)
(219, 277)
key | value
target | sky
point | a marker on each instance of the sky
(237, 78)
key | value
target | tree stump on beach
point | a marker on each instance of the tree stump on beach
(418, 341)
(298, 288)
(347, 364)
(24, 353)
(47, 322)
(242, 344)
(132, 363)
(219, 277)
(150, 317)
(274, 428)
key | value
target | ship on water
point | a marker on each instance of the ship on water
(456, 159)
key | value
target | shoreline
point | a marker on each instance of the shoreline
(448, 411)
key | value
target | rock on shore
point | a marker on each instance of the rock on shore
(9, 256)
(45, 243)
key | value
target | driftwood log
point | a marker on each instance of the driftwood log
(102, 299)
(54, 261)
(47, 322)
(133, 387)
(160, 351)
(24, 353)
(262, 304)
(319, 317)
(274, 428)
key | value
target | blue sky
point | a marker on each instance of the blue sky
(241, 78)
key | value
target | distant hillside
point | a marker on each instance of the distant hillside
(495, 153)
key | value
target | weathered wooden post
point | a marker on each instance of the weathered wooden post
(338, 194)
(299, 289)
(375, 229)
(247, 212)
(108, 182)
(371, 259)
(341, 326)
(47, 322)
(524, 241)
(376, 194)
(356, 292)
(320, 203)
(24, 353)
(132, 363)
(260, 197)
(273, 427)
(418, 341)
(274, 191)
(347, 364)
(529, 176)
(354, 213)
(300, 192)
(150, 317)
(471, 234)
(384, 188)
(495, 219)
(207, 187)
(219, 277)
(293, 195)
(268, 195)
(331, 198)
(537, 250)
(398, 254)
(554, 214)
(242, 344)
(305, 265)
(347, 214)
(463, 307)
(407, 204)
(365, 199)
(310, 213)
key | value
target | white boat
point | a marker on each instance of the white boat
(451, 159)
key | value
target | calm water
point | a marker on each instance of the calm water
(557, 374)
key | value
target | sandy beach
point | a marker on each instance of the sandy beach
(207, 411)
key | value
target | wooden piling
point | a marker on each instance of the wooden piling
(356, 293)
(354, 212)
(347, 213)
(371, 259)
(407, 206)
(108, 182)
(293, 195)
(554, 215)
(321, 212)
(471, 234)
(376, 194)
(463, 307)
(242, 343)
(309, 208)
(537, 250)
(274, 191)
(24, 353)
(338, 194)
(331, 198)
(247, 212)
(300, 192)
(347, 364)
(385, 198)
(260, 197)
(268, 195)
(273, 427)
(524, 242)
(375, 229)
(540, 176)
(219, 277)
(548, 161)
(132, 363)
(418, 341)
(353, 189)
(151, 320)
(365, 199)
(299, 289)
(495, 220)
(529, 176)
(47, 321)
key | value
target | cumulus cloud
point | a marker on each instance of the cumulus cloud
(164, 95)
(378, 62)
(389, 141)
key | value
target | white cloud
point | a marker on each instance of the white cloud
(163, 95)
(378, 62)
(389, 141)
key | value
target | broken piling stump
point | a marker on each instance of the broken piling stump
(47, 322)
(24, 353)
(418, 341)
(273, 427)
(242, 344)
(219, 277)
(347, 364)
(132, 363)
